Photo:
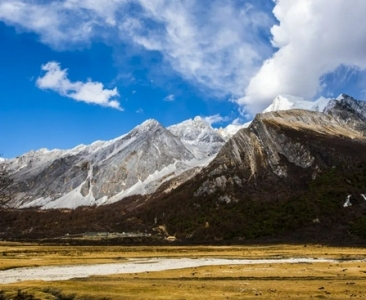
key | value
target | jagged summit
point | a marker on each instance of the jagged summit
(344, 96)
(148, 124)
(286, 102)
(150, 155)
(198, 136)
(137, 162)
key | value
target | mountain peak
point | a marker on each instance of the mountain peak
(149, 122)
(148, 125)
(286, 102)
(344, 96)
(198, 119)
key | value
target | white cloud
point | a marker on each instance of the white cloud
(313, 38)
(218, 45)
(213, 44)
(62, 23)
(237, 121)
(214, 119)
(55, 79)
(169, 98)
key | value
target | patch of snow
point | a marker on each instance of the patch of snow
(286, 102)
(156, 179)
(227, 132)
(37, 202)
(72, 200)
(198, 137)
(348, 202)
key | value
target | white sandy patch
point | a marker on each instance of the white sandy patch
(53, 273)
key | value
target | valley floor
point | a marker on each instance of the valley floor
(204, 272)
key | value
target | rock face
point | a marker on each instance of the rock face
(199, 137)
(352, 111)
(287, 169)
(104, 172)
(276, 145)
(283, 144)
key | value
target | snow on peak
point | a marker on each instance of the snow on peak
(190, 127)
(146, 126)
(344, 96)
(198, 136)
(340, 97)
(198, 119)
(227, 132)
(149, 123)
(286, 102)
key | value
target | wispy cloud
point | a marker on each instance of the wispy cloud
(169, 98)
(92, 92)
(313, 38)
(63, 23)
(220, 46)
(214, 119)
(216, 45)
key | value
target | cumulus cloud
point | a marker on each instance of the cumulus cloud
(220, 46)
(215, 119)
(169, 98)
(313, 38)
(92, 92)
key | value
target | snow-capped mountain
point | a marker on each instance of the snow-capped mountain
(227, 132)
(286, 102)
(198, 136)
(140, 161)
(347, 107)
(107, 171)
(281, 102)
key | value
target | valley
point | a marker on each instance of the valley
(275, 271)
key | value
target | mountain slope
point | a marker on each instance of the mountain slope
(269, 178)
(135, 163)
(292, 175)
(150, 155)
(352, 111)
(199, 137)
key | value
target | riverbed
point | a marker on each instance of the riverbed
(65, 272)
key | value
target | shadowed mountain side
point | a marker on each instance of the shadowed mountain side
(288, 170)
(285, 178)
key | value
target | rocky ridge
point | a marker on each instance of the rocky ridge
(103, 172)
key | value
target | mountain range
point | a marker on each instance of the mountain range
(292, 167)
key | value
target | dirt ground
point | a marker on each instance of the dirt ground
(341, 279)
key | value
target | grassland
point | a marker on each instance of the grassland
(339, 280)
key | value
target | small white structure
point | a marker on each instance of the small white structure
(171, 238)
(363, 196)
(348, 202)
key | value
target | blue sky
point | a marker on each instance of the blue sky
(73, 72)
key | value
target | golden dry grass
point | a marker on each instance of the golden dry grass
(340, 280)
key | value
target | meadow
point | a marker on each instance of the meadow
(341, 279)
